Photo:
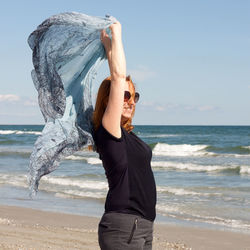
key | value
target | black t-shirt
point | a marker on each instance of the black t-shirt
(126, 161)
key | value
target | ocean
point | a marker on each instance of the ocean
(202, 175)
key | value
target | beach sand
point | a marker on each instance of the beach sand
(25, 228)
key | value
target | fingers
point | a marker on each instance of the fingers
(105, 39)
(114, 25)
(115, 29)
(103, 35)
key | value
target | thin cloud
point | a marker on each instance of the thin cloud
(147, 104)
(202, 108)
(160, 108)
(141, 73)
(16, 109)
(174, 106)
(18, 100)
(9, 98)
(206, 108)
(157, 106)
(31, 102)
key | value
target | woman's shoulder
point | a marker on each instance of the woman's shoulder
(103, 134)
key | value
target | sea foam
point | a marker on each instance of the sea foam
(18, 132)
(200, 168)
(79, 194)
(182, 191)
(67, 181)
(179, 212)
(164, 149)
(245, 169)
(90, 160)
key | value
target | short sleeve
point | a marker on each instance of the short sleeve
(110, 136)
(106, 143)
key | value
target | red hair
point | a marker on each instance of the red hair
(102, 101)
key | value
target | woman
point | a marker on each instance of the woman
(130, 204)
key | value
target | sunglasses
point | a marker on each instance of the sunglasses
(127, 96)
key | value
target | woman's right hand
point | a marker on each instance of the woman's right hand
(116, 29)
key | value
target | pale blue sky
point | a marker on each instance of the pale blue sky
(190, 60)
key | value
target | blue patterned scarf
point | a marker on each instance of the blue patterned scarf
(67, 52)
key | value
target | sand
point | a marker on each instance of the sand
(25, 228)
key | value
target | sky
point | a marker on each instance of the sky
(190, 60)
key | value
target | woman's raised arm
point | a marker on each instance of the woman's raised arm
(117, 64)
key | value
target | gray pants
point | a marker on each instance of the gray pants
(119, 231)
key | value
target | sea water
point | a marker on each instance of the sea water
(202, 175)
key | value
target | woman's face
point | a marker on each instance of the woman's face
(128, 106)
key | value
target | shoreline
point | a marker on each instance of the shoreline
(91, 207)
(26, 228)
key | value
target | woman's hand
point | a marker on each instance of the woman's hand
(106, 41)
(116, 30)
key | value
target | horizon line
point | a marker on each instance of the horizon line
(143, 125)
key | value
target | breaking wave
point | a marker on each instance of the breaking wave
(200, 168)
(19, 132)
(164, 149)
(90, 160)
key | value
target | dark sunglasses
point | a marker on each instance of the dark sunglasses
(127, 96)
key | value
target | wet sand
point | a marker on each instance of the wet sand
(25, 228)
